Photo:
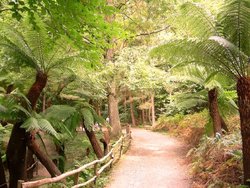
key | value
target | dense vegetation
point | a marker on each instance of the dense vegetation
(69, 65)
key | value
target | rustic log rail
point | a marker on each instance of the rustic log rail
(123, 142)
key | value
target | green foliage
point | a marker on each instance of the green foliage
(83, 21)
(88, 118)
(36, 49)
(33, 123)
(221, 42)
(10, 106)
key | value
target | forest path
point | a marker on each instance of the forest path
(153, 161)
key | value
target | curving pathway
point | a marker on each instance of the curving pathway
(153, 161)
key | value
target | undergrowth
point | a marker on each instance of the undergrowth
(214, 162)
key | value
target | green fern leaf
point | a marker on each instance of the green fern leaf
(88, 118)
(46, 126)
(59, 112)
(31, 124)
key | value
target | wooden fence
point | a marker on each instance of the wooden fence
(103, 163)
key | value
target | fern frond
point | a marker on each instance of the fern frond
(88, 118)
(17, 47)
(234, 23)
(236, 58)
(59, 112)
(197, 21)
(190, 100)
(33, 123)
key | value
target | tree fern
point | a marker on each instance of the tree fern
(234, 24)
(196, 14)
(36, 48)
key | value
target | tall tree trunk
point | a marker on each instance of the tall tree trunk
(149, 115)
(113, 109)
(132, 109)
(214, 110)
(153, 109)
(94, 142)
(3, 183)
(143, 113)
(114, 118)
(243, 91)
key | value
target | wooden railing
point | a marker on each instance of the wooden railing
(114, 155)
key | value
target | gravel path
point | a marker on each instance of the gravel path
(153, 161)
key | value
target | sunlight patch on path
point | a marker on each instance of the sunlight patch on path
(153, 161)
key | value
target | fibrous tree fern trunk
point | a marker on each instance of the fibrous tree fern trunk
(33, 96)
(94, 142)
(214, 110)
(3, 183)
(43, 158)
(16, 150)
(243, 90)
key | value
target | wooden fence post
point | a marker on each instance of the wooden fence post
(112, 157)
(128, 130)
(76, 178)
(95, 172)
(121, 148)
(19, 183)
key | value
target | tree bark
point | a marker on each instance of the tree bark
(214, 110)
(114, 118)
(243, 91)
(94, 142)
(3, 183)
(43, 158)
(37, 88)
(153, 109)
(16, 150)
(149, 115)
(132, 109)
(143, 116)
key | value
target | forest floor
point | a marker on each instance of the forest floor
(153, 160)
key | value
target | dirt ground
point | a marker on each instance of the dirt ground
(153, 161)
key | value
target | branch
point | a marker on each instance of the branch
(152, 32)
